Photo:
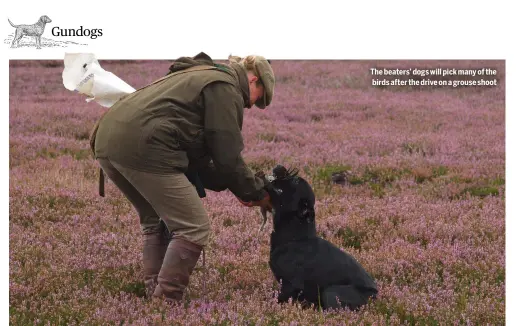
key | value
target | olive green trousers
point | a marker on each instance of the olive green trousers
(167, 198)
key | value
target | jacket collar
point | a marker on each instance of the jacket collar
(243, 82)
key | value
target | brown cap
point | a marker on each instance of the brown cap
(266, 74)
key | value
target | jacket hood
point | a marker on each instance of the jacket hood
(233, 69)
(187, 62)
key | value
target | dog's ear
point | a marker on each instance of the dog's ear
(306, 205)
(306, 211)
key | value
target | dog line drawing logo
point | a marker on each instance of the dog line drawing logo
(35, 34)
(35, 30)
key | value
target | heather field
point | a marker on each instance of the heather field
(423, 207)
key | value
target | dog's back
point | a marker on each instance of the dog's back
(317, 262)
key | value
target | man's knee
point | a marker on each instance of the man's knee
(204, 231)
(153, 226)
(199, 234)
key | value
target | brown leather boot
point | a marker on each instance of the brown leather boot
(154, 248)
(179, 262)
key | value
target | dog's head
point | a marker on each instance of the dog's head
(45, 19)
(293, 202)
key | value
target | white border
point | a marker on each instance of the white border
(291, 30)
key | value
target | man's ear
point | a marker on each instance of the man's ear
(252, 78)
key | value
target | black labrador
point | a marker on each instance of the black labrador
(311, 269)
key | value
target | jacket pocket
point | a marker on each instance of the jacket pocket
(160, 135)
(196, 149)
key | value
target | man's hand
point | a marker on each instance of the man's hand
(262, 176)
(265, 203)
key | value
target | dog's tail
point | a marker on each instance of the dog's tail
(12, 23)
